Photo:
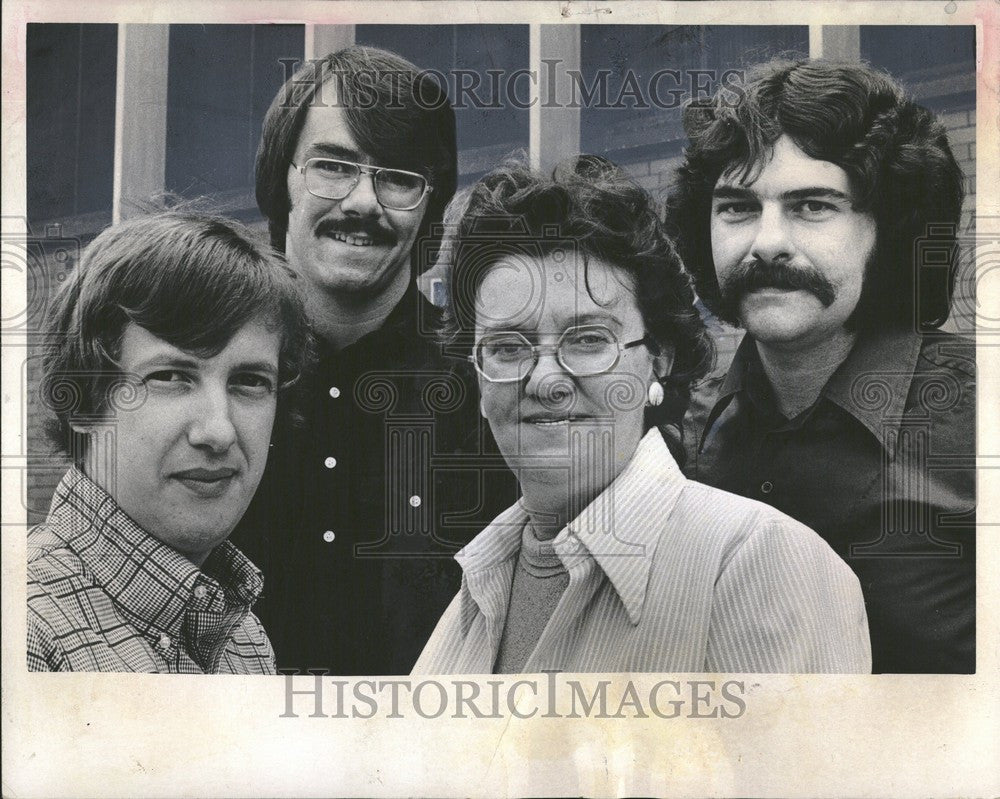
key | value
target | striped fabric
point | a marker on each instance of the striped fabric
(665, 575)
(104, 595)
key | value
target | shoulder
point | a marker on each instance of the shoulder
(51, 559)
(55, 577)
(742, 526)
(249, 651)
(944, 384)
(947, 353)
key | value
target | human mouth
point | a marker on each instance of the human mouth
(355, 232)
(208, 483)
(554, 421)
(353, 239)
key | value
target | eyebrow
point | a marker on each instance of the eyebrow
(167, 360)
(267, 367)
(737, 193)
(320, 149)
(590, 318)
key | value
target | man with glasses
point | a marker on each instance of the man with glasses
(358, 517)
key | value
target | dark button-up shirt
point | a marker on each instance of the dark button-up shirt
(883, 467)
(360, 512)
(104, 595)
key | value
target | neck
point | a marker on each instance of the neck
(341, 319)
(797, 374)
(554, 497)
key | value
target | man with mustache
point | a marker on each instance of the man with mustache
(801, 210)
(352, 524)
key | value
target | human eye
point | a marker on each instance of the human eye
(589, 338)
(735, 210)
(332, 168)
(253, 384)
(167, 379)
(815, 209)
(505, 348)
(399, 180)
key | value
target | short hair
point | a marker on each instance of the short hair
(592, 204)
(190, 279)
(895, 153)
(397, 114)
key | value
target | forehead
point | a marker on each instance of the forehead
(554, 291)
(788, 168)
(325, 131)
(256, 341)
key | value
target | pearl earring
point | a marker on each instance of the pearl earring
(655, 393)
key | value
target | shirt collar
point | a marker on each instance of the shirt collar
(619, 531)
(874, 380)
(871, 384)
(621, 528)
(150, 582)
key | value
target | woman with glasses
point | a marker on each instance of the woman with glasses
(581, 323)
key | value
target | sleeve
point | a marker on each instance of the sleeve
(44, 654)
(785, 603)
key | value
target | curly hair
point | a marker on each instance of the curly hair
(191, 279)
(593, 204)
(895, 153)
(397, 114)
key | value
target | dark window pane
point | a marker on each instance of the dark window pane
(489, 126)
(221, 80)
(636, 78)
(70, 124)
(934, 62)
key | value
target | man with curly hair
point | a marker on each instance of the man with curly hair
(799, 210)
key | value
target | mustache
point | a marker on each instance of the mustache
(758, 274)
(352, 225)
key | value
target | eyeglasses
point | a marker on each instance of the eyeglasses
(583, 351)
(333, 179)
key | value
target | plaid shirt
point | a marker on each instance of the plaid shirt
(104, 595)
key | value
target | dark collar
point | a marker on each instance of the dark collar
(871, 384)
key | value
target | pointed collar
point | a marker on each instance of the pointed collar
(871, 384)
(151, 583)
(619, 531)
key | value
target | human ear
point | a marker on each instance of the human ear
(663, 361)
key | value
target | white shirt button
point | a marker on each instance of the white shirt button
(200, 591)
(415, 501)
(164, 641)
(334, 392)
(330, 463)
(329, 535)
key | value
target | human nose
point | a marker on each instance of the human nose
(548, 381)
(212, 427)
(362, 200)
(772, 241)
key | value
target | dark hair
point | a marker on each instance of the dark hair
(591, 205)
(397, 114)
(190, 279)
(895, 153)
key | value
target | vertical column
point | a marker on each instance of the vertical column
(140, 116)
(553, 125)
(324, 39)
(835, 42)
